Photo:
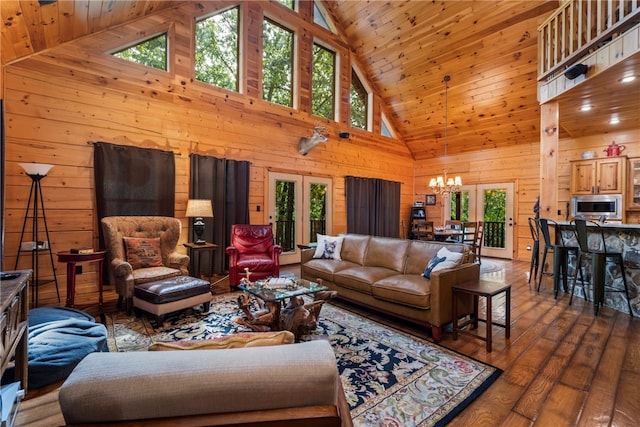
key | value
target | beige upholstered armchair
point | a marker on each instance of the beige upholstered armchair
(142, 249)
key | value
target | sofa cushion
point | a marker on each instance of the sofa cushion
(143, 252)
(386, 252)
(443, 259)
(361, 278)
(329, 247)
(325, 269)
(354, 247)
(420, 253)
(406, 289)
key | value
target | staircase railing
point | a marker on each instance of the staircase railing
(579, 26)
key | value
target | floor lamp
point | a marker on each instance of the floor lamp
(36, 171)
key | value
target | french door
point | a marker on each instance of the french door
(494, 205)
(299, 208)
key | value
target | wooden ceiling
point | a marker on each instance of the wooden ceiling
(488, 48)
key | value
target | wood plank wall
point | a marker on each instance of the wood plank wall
(60, 99)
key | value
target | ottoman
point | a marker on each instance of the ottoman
(171, 294)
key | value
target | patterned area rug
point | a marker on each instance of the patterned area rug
(390, 378)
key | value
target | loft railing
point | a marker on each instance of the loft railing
(579, 26)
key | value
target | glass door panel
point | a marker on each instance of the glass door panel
(299, 209)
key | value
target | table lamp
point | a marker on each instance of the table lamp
(199, 209)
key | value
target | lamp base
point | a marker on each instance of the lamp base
(200, 242)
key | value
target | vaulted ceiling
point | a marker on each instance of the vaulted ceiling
(488, 48)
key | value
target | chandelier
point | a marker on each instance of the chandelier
(445, 184)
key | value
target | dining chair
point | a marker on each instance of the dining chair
(598, 256)
(535, 250)
(424, 230)
(479, 241)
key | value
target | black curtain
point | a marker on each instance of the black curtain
(373, 206)
(226, 183)
(133, 181)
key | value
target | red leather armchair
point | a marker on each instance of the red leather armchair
(252, 247)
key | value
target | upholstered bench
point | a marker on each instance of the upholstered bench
(294, 384)
(172, 294)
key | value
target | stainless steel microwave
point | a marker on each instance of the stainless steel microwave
(596, 206)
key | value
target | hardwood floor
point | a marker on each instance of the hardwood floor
(562, 366)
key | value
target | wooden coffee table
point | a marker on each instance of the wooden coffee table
(283, 308)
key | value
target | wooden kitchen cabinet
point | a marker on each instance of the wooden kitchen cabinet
(598, 176)
(634, 185)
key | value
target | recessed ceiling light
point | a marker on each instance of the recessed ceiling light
(585, 107)
(627, 79)
(614, 121)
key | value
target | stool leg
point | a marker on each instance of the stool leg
(540, 273)
(507, 313)
(489, 323)
(624, 281)
(455, 314)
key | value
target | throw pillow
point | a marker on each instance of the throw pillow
(329, 247)
(239, 340)
(143, 252)
(443, 259)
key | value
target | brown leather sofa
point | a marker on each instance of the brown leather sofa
(386, 274)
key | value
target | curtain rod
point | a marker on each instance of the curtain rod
(134, 146)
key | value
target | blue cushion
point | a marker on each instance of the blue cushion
(58, 339)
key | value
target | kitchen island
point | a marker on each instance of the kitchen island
(624, 238)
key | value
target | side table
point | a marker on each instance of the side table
(195, 252)
(72, 259)
(487, 289)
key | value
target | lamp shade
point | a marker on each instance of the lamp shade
(199, 208)
(36, 168)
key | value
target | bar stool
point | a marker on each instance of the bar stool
(560, 257)
(598, 258)
(535, 252)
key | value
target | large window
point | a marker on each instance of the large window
(150, 52)
(323, 82)
(277, 64)
(217, 49)
(359, 101)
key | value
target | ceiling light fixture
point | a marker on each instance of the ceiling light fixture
(443, 184)
(614, 121)
(585, 107)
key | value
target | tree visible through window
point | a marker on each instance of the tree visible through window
(323, 82)
(277, 64)
(359, 101)
(217, 50)
(151, 52)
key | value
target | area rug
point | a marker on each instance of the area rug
(390, 378)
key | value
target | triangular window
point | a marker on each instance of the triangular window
(320, 18)
(151, 52)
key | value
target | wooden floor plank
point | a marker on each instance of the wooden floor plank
(562, 366)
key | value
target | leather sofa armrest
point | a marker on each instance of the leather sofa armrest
(441, 283)
(306, 254)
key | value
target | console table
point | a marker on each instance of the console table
(14, 306)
